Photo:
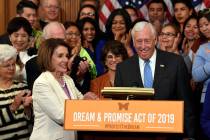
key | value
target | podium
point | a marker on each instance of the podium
(127, 93)
(124, 119)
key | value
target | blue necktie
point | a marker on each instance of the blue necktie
(148, 80)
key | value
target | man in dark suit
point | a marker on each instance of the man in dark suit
(168, 72)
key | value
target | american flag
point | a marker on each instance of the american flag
(110, 5)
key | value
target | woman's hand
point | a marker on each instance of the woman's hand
(77, 47)
(71, 60)
(176, 43)
(27, 99)
(90, 96)
(126, 40)
(17, 101)
(185, 46)
(119, 35)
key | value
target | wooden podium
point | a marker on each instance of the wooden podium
(124, 119)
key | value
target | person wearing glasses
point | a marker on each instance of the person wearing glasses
(113, 53)
(50, 10)
(73, 38)
(165, 72)
(15, 99)
(87, 11)
(169, 38)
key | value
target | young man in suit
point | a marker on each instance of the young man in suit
(167, 72)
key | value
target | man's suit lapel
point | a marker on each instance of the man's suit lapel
(138, 80)
(160, 68)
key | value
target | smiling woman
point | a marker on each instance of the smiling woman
(20, 30)
(85, 31)
(15, 103)
(169, 38)
(112, 54)
(50, 91)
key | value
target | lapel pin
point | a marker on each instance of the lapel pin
(162, 66)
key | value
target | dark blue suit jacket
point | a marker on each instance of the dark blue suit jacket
(171, 82)
(205, 117)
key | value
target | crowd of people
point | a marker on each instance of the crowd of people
(43, 62)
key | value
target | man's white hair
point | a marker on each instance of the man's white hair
(7, 52)
(51, 28)
(139, 26)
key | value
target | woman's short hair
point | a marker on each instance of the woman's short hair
(46, 51)
(17, 23)
(7, 52)
(174, 26)
(117, 12)
(68, 24)
(115, 47)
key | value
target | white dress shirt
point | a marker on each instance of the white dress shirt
(151, 63)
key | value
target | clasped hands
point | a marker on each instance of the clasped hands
(82, 68)
(24, 97)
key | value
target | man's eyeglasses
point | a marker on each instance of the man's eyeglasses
(167, 34)
(146, 41)
(52, 7)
